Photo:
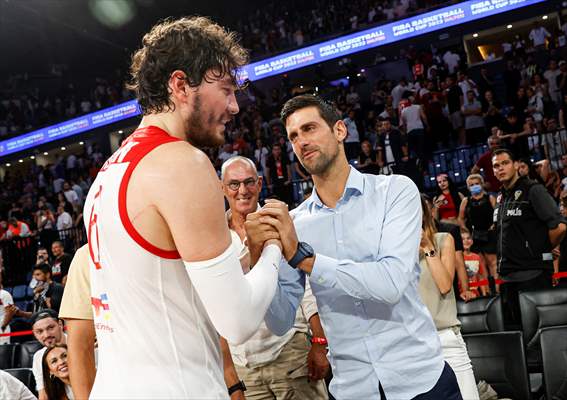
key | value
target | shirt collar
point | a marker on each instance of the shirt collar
(354, 185)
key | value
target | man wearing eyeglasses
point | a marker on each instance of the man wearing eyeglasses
(269, 366)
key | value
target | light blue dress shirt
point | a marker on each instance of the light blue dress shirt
(365, 280)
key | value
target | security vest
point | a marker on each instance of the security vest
(522, 238)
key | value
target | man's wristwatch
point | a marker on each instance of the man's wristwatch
(237, 386)
(303, 251)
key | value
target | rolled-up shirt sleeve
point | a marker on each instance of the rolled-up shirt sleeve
(308, 304)
(386, 278)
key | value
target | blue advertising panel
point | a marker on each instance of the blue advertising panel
(395, 31)
(69, 128)
(442, 18)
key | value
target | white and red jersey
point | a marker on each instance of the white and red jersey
(155, 339)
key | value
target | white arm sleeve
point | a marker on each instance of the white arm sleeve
(236, 303)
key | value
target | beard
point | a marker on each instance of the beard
(322, 163)
(201, 127)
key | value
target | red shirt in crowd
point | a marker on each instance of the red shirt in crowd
(475, 271)
(485, 163)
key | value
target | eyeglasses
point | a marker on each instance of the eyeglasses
(248, 184)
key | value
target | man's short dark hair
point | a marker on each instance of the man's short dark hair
(46, 313)
(497, 152)
(44, 267)
(326, 110)
(194, 45)
(57, 242)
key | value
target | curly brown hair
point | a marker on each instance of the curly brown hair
(195, 45)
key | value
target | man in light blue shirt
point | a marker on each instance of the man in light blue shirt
(362, 263)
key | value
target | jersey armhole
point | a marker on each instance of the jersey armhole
(123, 210)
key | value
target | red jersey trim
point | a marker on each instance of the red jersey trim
(122, 209)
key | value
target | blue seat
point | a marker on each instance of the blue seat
(19, 292)
(29, 292)
(9, 289)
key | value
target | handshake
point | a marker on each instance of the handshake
(272, 224)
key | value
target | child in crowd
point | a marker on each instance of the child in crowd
(474, 265)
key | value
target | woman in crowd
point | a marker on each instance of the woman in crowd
(476, 214)
(367, 161)
(56, 373)
(448, 200)
(437, 262)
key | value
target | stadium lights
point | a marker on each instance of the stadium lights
(363, 70)
(475, 35)
(8, 164)
(81, 143)
(509, 26)
(20, 161)
(63, 148)
(120, 132)
(358, 75)
(301, 86)
(45, 153)
(32, 157)
(544, 17)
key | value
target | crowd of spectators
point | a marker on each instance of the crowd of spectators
(272, 28)
(395, 127)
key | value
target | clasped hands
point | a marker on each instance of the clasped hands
(272, 224)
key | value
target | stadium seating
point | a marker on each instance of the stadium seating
(7, 355)
(541, 309)
(499, 359)
(25, 375)
(481, 315)
(554, 355)
(25, 352)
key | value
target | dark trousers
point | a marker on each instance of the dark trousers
(446, 388)
(510, 300)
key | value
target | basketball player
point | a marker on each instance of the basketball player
(165, 278)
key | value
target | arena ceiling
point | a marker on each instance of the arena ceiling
(87, 34)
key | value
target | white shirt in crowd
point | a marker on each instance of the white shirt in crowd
(411, 117)
(71, 196)
(397, 93)
(5, 300)
(58, 185)
(466, 85)
(353, 135)
(473, 121)
(551, 77)
(538, 36)
(225, 155)
(71, 162)
(79, 191)
(452, 60)
(262, 155)
(389, 154)
(12, 388)
(64, 221)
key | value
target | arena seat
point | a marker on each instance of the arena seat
(24, 375)
(19, 292)
(25, 352)
(554, 355)
(7, 355)
(499, 359)
(481, 315)
(541, 309)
